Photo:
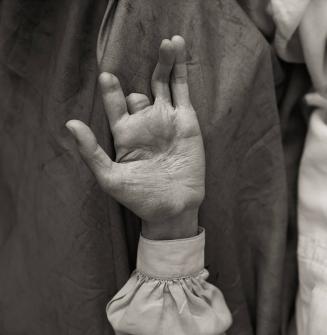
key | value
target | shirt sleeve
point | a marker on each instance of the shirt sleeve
(287, 15)
(168, 293)
(311, 306)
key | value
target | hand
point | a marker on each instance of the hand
(313, 35)
(319, 102)
(160, 165)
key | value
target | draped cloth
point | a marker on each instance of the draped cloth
(65, 247)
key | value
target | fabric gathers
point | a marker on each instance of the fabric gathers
(279, 20)
(312, 218)
(287, 15)
(168, 292)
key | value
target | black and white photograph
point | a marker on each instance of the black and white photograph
(163, 167)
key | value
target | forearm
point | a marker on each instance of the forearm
(183, 225)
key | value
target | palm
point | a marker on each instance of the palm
(162, 151)
(159, 168)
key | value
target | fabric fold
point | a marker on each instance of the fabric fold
(168, 293)
(313, 177)
(312, 215)
(287, 15)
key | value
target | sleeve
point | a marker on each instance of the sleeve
(168, 293)
(287, 15)
(311, 307)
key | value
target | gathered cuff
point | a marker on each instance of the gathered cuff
(168, 292)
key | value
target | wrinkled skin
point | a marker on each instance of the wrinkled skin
(160, 165)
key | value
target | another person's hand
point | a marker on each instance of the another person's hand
(313, 35)
(318, 102)
(160, 165)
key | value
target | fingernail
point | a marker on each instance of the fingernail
(165, 41)
(108, 81)
(103, 76)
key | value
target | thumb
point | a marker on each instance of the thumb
(93, 155)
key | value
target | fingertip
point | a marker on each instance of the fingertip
(72, 126)
(82, 133)
(165, 43)
(179, 46)
(166, 52)
(108, 81)
(69, 124)
(178, 40)
(104, 77)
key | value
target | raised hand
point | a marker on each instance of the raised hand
(160, 165)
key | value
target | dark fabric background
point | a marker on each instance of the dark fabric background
(58, 260)
(65, 247)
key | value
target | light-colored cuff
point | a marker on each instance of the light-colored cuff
(171, 258)
(168, 293)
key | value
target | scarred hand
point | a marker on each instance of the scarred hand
(160, 165)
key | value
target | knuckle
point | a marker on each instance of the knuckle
(180, 75)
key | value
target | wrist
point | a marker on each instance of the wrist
(184, 225)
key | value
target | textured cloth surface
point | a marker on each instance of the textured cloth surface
(65, 247)
(62, 250)
(312, 248)
(168, 293)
